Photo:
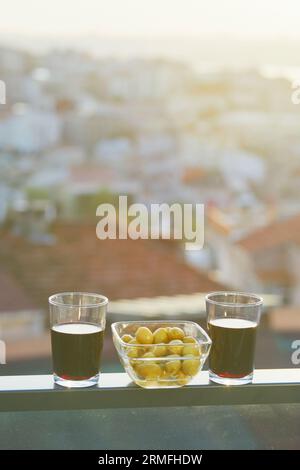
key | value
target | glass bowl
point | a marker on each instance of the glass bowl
(161, 354)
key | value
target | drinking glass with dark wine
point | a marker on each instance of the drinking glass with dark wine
(232, 320)
(77, 327)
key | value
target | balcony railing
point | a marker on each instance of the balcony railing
(38, 392)
(36, 414)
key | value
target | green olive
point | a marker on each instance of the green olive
(167, 379)
(175, 346)
(182, 379)
(148, 355)
(135, 351)
(126, 338)
(149, 371)
(160, 351)
(190, 366)
(172, 367)
(175, 333)
(160, 336)
(192, 350)
(189, 339)
(144, 335)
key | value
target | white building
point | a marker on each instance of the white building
(114, 153)
(28, 130)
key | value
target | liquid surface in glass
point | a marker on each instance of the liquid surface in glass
(233, 346)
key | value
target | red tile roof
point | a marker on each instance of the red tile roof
(277, 233)
(90, 174)
(116, 268)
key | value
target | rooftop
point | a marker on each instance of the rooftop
(79, 261)
(272, 235)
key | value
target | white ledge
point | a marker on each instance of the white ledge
(38, 392)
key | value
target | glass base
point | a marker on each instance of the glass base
(76, 383)
(230, 381)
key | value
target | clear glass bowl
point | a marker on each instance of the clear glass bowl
(172, 361)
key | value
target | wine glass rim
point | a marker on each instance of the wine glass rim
(101, 300)
(257, 300)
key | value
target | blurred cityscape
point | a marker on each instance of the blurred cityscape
(78, 130)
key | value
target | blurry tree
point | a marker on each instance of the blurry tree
(86, 204)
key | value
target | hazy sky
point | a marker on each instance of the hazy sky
(151, 17)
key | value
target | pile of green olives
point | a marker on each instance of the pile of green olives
(166, 356)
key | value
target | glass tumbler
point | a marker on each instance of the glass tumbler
(77, 321)
(232, 321)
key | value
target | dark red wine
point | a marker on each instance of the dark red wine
(76, 350)
(233, 345)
